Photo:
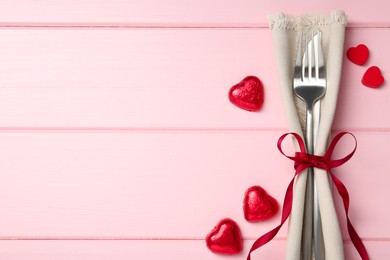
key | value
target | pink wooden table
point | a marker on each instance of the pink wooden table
(117, 140)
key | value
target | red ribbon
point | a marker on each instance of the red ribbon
(303, 161)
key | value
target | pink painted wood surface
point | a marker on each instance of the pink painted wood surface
(132, 185)
(173, 184)
(119, 78)
(183, 13)
(117, 140)
(126, 249)
(150, 250)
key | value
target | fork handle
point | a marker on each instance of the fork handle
(318, 238)
(307, 231)
(312, 236)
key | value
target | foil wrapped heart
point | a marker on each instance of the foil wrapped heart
(225, 238)
(248, 94)
(259, 205)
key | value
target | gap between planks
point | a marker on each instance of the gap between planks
(153, 239)
(16, 25)
(168, 129)
(114, 239)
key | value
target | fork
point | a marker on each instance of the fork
(310, 85)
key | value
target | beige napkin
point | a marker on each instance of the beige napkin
(285, 30)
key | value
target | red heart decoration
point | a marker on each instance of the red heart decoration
(248, 94)
(358, 54)
(259, 205)
(225, 238)
(373, 77)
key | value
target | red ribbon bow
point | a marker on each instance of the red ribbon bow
(303, 160)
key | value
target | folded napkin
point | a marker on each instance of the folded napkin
(285, 31)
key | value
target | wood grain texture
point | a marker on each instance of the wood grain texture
(124, 249)
(117, 139)
(150, 250)
(122, 79)
(162, 185)
(234, 13)
(132, 185)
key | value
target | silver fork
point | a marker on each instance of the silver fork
(310, 86)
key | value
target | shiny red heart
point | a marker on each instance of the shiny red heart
(225, 238)
(373, 77)
(248, 94)
(259, 205)
(358, 54)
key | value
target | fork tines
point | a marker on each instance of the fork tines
(309, 64)
(309, 56)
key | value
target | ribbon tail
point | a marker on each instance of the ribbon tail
(303, 160)
(356, 240)
(287, 206)
(264, 239)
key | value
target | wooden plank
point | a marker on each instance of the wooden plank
(124, 249)
(151, 249)
(182, 13)
(362, 176)
(114, 124)
(122, 79)
(163, 184)
(138, 185)
(356, 100)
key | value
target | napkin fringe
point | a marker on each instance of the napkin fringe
(285, 21)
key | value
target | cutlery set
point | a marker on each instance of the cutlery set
(310, 81)
(309, 85)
